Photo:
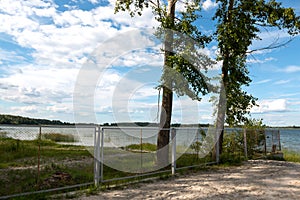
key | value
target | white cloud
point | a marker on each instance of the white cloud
(291, 69)
(10, 56)
(282, 82)
(66, 107)
(262, 81)
(73, 34)
(94, 1)
(21, 110)
(260, 61)
(265, 106)
(59, 42)
(38, 85)
(208, 4)
(140, 58)
(295, 103)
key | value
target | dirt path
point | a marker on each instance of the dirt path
(253, 180)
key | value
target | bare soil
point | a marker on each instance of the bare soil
(259, 179)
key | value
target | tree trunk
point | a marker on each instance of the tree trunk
(219, 134)
(163, 137)
(222, 106)
(165, 124)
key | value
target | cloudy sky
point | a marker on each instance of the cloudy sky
(45, 44)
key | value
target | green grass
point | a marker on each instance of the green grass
(24, 153)
(19, 161)
(143, 147)
(291, 156)
(58, 137)
(191, 159)
(235, 158)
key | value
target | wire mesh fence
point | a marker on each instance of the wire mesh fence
(251, 143)
(48, 157)
(133, 151)
(43, 157)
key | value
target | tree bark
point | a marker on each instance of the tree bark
(222, 106)
(163, 137)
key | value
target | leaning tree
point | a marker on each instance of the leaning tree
(180, 75)
(239, 23)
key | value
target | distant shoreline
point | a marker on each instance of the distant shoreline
(6, 119)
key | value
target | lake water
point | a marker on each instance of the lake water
(290, 138)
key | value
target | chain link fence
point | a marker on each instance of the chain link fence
(42, 158)
(242, 144)
(132, 152)
(37, 158)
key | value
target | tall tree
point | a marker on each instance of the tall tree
(180, 75)
(239, 23)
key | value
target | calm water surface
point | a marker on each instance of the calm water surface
(290, 138)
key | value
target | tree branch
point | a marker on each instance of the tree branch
(271, 46)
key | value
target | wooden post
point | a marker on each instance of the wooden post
(279, 142)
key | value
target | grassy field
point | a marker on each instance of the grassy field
(59, 165)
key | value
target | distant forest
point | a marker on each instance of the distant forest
(11, 119)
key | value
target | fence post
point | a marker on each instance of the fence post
(141, 142)
(102, 154)
(279, 142)
(217, 146)
(173, 136)
(245, 144)
(39, 156)
(97, 164)
(265, 147)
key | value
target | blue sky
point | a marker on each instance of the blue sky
(45, 43)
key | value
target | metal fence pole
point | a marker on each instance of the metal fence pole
(97, 156)
(265, 143)
(102, 154)
(141, 142)
(279, 142)
(173, 136)
(217, 146)
(39, 156)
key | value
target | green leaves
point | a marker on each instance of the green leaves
(239, 23)
(184, 67)
(185, 77)
(132, 6)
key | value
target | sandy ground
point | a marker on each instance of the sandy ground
(253, 180)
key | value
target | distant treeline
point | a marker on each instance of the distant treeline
(12, 119)
(148, 124)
